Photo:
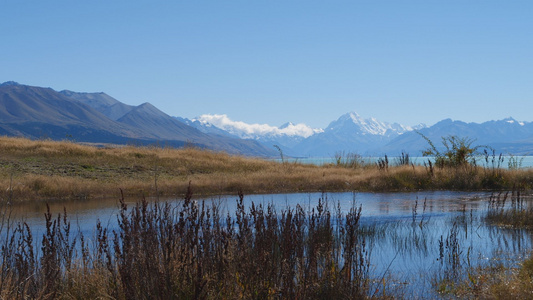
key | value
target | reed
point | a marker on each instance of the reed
(192, 251)
(493, 280)
(510, 209)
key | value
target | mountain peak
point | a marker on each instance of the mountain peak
(353, 122)
(71, 93)
(350, 116)
(354, 115)
(10, 83)
(286, 125)
(147, 105)
(148, 108)
(256, 131)
(512, 120)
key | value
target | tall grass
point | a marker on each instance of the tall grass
(47, 170)
(192, 251)
(351, 160)
(510, 209)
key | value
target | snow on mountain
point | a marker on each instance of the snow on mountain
(256, 131)
(504, 136)
(356, 124)
(511, 120)
(351, 133)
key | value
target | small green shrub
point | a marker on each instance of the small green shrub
(459, 151)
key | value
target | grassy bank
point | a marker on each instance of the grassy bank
(49, 170)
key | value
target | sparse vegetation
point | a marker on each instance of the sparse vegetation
(514, 162)
(383, 163)
(496, 280)
(350, 160)
(48, 170)
(509, 209)
(403, 159)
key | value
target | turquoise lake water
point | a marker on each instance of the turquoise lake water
(516, 161)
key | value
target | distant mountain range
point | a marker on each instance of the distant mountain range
(507, 136)
(352, 133)
(36, 112)
(287, 135)
(349, 133)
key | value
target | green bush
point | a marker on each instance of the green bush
(459, 151)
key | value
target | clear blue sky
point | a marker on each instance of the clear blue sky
(276, 61)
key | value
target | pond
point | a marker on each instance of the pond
(414, 239)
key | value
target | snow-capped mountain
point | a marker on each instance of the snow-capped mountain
(286, 136)
(206, 128)
(505, 136)
(369, 136)
(353, 123)
(256, 131)
(351, 133)
(96, 117)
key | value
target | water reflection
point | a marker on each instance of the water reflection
(412, 236)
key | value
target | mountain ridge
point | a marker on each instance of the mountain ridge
(36, 112)
(503, 136)
(352, 133)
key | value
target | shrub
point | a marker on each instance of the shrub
(459, 151)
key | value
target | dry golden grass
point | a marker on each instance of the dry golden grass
(493, 282)
(191, 251)
(34, 170)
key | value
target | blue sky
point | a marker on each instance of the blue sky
(276, 61)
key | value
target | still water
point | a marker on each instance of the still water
(506, 162)
(412, 232)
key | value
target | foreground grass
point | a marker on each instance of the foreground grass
(194, 250)
(191, 251)
(49, 170)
